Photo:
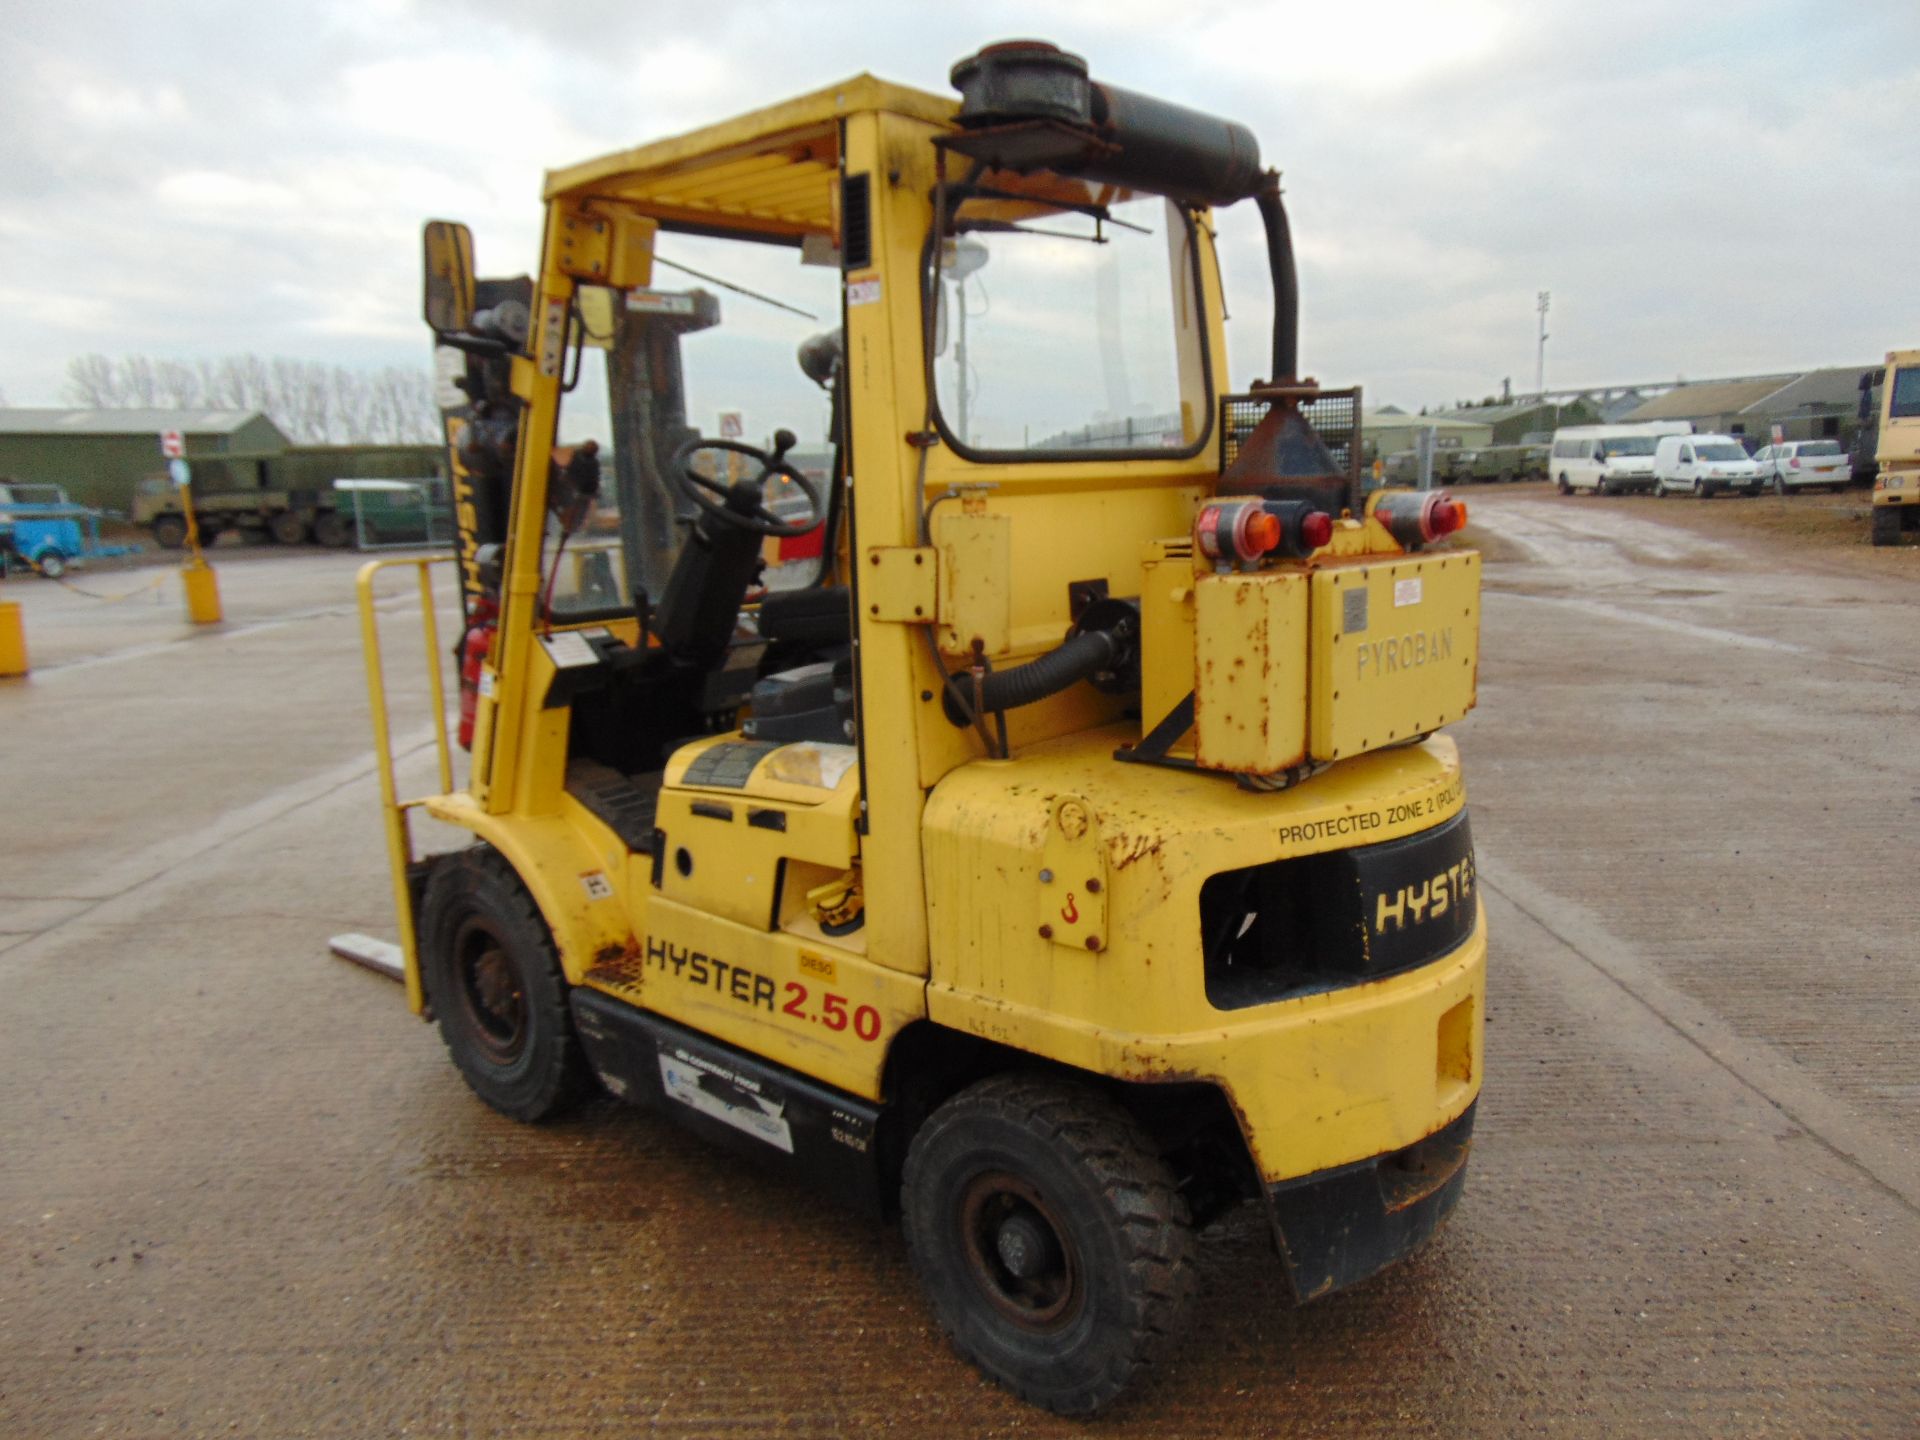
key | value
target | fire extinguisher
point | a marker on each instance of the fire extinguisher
(473, 656)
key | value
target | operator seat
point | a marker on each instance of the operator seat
(817, 618)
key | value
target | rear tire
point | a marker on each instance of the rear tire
(493, 978)
(1049, 1237)
(1886, 525)
(288, 528)
(332, 530)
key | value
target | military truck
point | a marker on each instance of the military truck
(1896, 488)
(1507, 462)
(291, 517)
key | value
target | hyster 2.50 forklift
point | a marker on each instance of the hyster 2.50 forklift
(1070, 854)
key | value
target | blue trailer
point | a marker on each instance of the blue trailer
(43, 530)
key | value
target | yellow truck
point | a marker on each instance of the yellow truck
(1896, 488)
(1075, 856)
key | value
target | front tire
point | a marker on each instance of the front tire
(493, 977)
(52, 564)
(169, 531)
(1886, 524)
(1050, 1238)
(1565, 488)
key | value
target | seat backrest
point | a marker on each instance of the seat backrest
(817, 616)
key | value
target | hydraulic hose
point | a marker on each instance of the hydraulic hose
(1084, 655)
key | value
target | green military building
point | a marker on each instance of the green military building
(1385, 432)
(1527, 421)
(98, 455)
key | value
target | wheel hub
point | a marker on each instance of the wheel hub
(1027, 1247)
(1017, 1252)
(490, 993)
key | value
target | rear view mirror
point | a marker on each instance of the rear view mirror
(449, 277)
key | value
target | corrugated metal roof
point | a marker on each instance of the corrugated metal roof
(19, 420)
(1396, 420)
(1705, 400)
(1494, 414)
(1837, 385)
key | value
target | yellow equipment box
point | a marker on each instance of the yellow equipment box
(1396, 650)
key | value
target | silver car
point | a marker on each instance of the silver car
(1804, 465)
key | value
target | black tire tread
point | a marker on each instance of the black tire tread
(1886, 525)
(564, 1079)
(1133, 1181)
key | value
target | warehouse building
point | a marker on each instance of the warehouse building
(99, 456)
(1527, 421)
(1385, 432)
(1809, 405)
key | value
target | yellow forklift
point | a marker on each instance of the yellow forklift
(1071, 855)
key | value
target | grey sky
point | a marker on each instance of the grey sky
(1706, 188)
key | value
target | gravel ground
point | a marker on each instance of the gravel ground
(246, 1194)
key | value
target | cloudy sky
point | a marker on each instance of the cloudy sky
(1706, 188)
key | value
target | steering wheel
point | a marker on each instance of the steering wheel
(742, 504)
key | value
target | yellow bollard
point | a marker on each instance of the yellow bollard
(203, 592)
(13, 640)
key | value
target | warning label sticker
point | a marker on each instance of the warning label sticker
(724, 1096)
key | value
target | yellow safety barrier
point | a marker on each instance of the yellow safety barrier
(202, 586)
(13, 640)
(393, 809)
(203, 592)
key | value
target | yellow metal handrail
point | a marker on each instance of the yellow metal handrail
(393, 809)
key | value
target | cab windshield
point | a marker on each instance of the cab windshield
(1062, 328)
(1905, 404)
(1629, 445)
(1722, 451)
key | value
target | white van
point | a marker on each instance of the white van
(1703, 465)
(1608, 459)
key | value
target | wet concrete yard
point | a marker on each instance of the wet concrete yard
(244, 1192)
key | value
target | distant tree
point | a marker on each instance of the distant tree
(314, 403)
(93, 381)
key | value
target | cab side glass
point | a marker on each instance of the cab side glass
(448, 291)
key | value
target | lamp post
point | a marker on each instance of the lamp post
(1540, 361)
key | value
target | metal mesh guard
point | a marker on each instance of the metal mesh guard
(1333, 414)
